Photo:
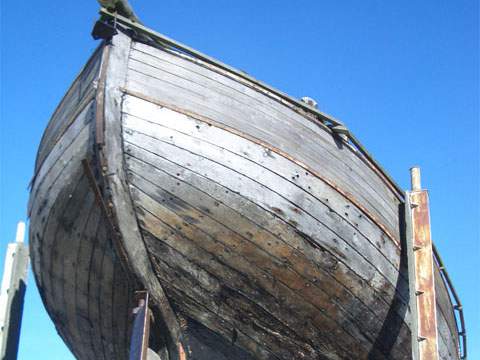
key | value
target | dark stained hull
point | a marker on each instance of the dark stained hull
(270, 237)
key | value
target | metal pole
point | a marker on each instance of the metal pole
(141, 328)
(421, 263)
(415, 178)
(14, 284)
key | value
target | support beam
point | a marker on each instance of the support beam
(140, 337)
(14, 284)
(141, 328)
(421, 264)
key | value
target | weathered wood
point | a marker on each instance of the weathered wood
(286, 187)
(60, 225)
(106, 297)
(208, 345)
(112, 157)
(204, 315)
(68, 175)
(233, 251)
(381, 214)
(67, 153)
(70, 291)
(70, 104)
(82, 295)
(225, 199)
(71, 153)
(236, 210)
(46, 234)
(201, 91)
(153, 61)
(14, 285)
(284, 251)
(66, 264)
(244, 146)
(424, 277)
(120, 311)
(289, 211)
(201, 286)
(95, 285)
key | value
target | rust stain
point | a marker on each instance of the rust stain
(276, 210)
(181, 352)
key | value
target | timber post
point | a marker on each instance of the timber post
(14, 284)
(421, 271)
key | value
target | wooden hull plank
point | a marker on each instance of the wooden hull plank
(85, 247)
(232, 251)
(95, 285)
(284, 253)
(62, 226)
(69, 151)
(256, 215)
(225, 108)
(236, 249)
(288, 210)
(224, 303)
(195, 72)
(65, 171)
(65, 265)
(328, 197)
(80, 89)
(233, 141)
(187, 99)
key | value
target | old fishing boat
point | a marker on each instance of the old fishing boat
(258, 226)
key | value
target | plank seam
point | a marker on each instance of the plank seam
(204, 119)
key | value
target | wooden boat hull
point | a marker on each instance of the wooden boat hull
(271, 237)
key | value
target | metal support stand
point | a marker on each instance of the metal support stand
(141, 328)
(14, 285)
(139, 341)
(421, 272)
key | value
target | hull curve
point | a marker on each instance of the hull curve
(258, 232)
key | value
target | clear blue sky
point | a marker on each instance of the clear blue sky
(403, 75)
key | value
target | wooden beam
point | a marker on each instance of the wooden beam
(14, 284)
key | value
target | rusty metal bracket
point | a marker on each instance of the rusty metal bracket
(421, 272)
(422, 252)
(139, 339)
